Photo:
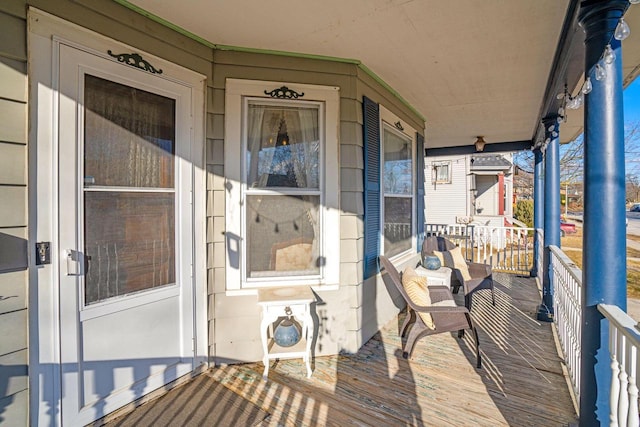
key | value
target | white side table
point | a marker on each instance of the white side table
(274, 302)
(439, 277)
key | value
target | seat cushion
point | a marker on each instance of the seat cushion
(454, 259)
(416, 288)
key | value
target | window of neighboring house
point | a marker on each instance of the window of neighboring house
(442, 173)
(282, 216)
(397, 182)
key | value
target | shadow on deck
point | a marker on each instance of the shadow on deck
(521, 382)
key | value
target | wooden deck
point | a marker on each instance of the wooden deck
(521, 382)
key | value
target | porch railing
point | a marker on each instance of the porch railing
(508, 249)
(496, 245)
(624, 340)
(567, 284)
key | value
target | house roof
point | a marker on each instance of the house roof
(489, 162)
(469, 68)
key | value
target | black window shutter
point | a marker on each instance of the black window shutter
(420, 189)
(371, 137)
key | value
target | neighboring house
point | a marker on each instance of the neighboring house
(472, 188)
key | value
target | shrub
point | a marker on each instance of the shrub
(524, 212)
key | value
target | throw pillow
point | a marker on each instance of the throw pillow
(454, 259)
(416, 288)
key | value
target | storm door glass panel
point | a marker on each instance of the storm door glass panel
(398, 192)
(129, 193)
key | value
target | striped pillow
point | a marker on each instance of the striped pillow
(416, 287)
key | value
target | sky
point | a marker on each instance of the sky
(631, 103)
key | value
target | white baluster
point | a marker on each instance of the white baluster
(632, 361)
(615, 385)
(623, 403)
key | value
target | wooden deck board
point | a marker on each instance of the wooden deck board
(521, 382)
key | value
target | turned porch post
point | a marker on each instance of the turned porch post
(551, 212)
(604, 241)
(538, 206)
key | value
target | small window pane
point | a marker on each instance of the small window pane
(283, 236)
(129, 136)
(397, 164)
(442, 173)
(130, 240)
(397, 225)
(283, 147)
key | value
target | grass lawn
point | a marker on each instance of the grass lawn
(633, 267)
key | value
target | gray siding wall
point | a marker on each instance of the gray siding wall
(349, 316)
(106, 18)
(13, 215)
(445, 202)
(235, 320)
(377, 304)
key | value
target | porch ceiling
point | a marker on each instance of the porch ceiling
(470, 68)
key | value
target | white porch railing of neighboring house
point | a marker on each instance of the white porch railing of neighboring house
(567, 286)
(507, 249)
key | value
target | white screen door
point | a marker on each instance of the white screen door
(126, 228)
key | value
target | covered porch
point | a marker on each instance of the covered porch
(429, 77)
(522, 381)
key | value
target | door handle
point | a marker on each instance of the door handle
(73, 261)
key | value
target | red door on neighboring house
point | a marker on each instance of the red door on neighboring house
(500, 193)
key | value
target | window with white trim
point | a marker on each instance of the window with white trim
(442, 172)
(281, 163)
(398, 185)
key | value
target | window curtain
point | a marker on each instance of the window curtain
(302, 126)
(262, 132)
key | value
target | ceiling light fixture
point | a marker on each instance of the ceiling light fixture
(480, 143)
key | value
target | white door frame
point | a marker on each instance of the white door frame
(46, 34)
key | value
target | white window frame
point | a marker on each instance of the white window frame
(436, 166)
(393, 122)
(237, 95)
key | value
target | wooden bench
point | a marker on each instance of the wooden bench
(431, 310)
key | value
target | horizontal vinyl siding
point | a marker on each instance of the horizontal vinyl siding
(377, 303)
(227, 312)
(13, 215)
(444, 202)
(122, 24)
(116, 22)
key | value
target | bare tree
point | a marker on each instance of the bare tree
(572, 156)
(632, 188)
